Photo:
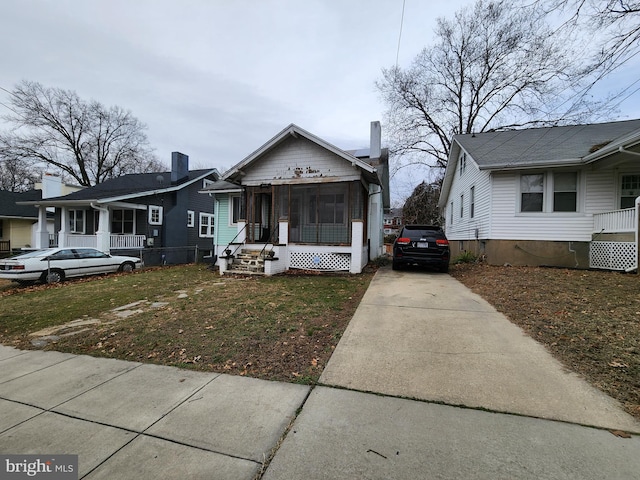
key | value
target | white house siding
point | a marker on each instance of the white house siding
(464, 228)
(296, 160)
(509, 224)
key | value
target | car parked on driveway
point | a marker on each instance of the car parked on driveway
(52, 265)
(423, 245)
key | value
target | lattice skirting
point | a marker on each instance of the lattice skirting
(612, 255)
(320, 261)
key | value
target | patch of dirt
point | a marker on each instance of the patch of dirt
(589, 320)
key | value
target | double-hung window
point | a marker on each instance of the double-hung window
(565, 192)
(122, 222)
(463, 162)
(630, 190)
(472, 202)
(207, 221)
(236, 209)
(462, 205)
(532, 192)
(76, 221)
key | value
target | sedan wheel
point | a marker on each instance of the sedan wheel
(126, 268)
(54, 276)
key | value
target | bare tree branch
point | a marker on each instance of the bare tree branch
(88, 142)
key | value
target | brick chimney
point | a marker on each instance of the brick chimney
(179, 167)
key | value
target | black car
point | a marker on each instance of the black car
(424, 245)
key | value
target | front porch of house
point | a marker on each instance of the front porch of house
(245, 256)
(614, 240)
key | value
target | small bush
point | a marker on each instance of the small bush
(465, 257)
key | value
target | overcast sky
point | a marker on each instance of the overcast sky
(216, 79)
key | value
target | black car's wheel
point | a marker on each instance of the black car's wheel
(444, 268)
(53, 276)
(127, 267)
(395, 265)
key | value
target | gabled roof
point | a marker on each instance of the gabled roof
(9, 208)
(222, 186)
(539, 147)
(235, 172)
(129, 187)
(566, 146)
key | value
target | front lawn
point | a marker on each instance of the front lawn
(279, 328)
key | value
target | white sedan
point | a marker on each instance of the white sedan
(52, 265)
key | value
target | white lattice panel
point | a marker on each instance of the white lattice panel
(612, 255)
(320, 261)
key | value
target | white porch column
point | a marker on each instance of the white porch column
(42, 234)
(357, 230)
(283, 232)
(64, 224)
(103, 234)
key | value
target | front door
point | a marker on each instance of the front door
(260, 214)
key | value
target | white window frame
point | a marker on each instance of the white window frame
(191, 218)
(207, 220)
(472, 201)
(544, 193)
(73, 221)
(620, 190)
(463, 162)
(576, 191)
(233, 198)
(123, 220)
(155, 210)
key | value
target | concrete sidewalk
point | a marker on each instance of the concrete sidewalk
(428, 381)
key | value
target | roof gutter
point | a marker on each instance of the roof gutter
(624, 150)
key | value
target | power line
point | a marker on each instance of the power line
(400, 35)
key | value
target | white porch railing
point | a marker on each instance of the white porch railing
(88, 241)
(127, 241)
(616, 221)
(115, 242)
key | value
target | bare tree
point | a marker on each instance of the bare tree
(85, 140)
(495, 66)
(17, 175)
(613, 24)
(422, 206)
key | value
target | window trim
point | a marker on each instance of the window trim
(191, 219)
(521, 192)
(209, 225)
(472, 201)
(73, 223)
(152, 210)
(233, 198)
(577, 189)
(123, 220)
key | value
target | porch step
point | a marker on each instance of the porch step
(248, 262)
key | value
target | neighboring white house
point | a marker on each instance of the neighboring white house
(299, 202)
(561, 196)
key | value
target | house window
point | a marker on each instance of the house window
(451, 214)
(76, 221)
(461, 205)
(191, 218)
(630, 189)
(531, 192)
(207, 221)
(472, 201)
(565, 192)
(155, 215)
(463, 162)
(236, 209)
(122, 222)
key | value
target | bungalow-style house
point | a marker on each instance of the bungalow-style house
(137, 212)
(559, 196)
(18, 222)
(299, 202)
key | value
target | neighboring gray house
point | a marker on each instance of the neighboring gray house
(136, 212)
(563, 196)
